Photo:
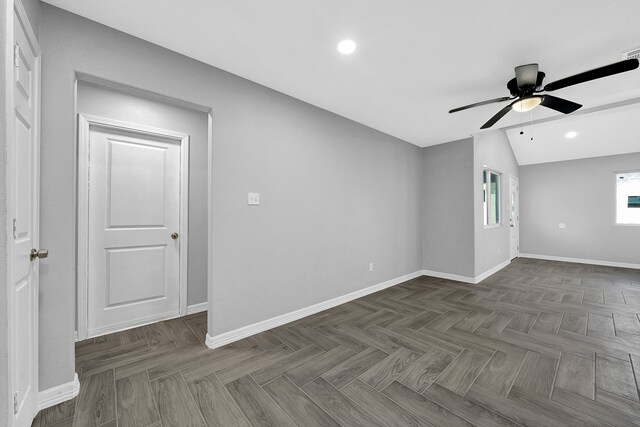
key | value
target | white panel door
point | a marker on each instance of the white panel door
(23, 197)
(133, 267)
(514, 216)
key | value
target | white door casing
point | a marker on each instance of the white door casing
(23, 184)
(135, 196)
(514, 216)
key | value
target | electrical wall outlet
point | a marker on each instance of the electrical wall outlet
(370, 266)
(253, 199)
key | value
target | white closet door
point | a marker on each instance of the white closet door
(134, 208)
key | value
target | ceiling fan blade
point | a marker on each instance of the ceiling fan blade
(597, 73)
(492, 121)
(477, 104)
(559, 104)
(527, 75)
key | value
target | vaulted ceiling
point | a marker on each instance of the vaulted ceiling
(590, 134)
(415, 59)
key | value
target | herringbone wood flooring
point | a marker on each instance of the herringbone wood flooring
(539, 344)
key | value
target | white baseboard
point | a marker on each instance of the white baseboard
(582, 260)
(197, 308)
(479, 278)
(58, 394)
(466, 279)
(247, 331)
(449, 276)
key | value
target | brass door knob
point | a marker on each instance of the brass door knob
(40, 254)
(174, 235)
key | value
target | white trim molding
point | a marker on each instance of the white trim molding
(246, 331)
(466, 279)
(581, 260)
(197, 308)
(210, 181)
(58, 394)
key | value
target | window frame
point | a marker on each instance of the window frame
(615, 198)
(485, 204)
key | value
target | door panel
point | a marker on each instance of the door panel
(136, 177)
(24, 317)
(23, 211)
(134, 206)
(23, 75)
(131, 265)
(24, 178)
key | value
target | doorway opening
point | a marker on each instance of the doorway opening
(143, 221)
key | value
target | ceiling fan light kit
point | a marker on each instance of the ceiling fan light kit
(526, 88)
(526, 104)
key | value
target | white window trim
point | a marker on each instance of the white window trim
(615, 199)
(486, 205)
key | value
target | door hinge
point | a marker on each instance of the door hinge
(16, 56)
(15, 403)
(15, 228)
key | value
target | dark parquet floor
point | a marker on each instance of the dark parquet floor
(539, 343)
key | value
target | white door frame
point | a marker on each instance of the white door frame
(17, 7)
(85, 123)
(517, 182)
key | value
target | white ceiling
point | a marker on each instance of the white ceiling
(415, 60)
(602, 133)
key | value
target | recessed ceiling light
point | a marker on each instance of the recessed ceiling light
(571, 134)
(346, 47)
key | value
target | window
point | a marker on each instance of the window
(628, 198)
(491, 197)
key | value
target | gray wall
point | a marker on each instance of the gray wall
(492, 245)
(335, 195)
(454, 238)
(104, 102)
(581, 194)
(447, 211)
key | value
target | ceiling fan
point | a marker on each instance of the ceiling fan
(526, 88)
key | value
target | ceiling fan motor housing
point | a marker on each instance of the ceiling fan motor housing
(512, 85)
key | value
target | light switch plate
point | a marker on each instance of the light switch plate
(253, 199)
